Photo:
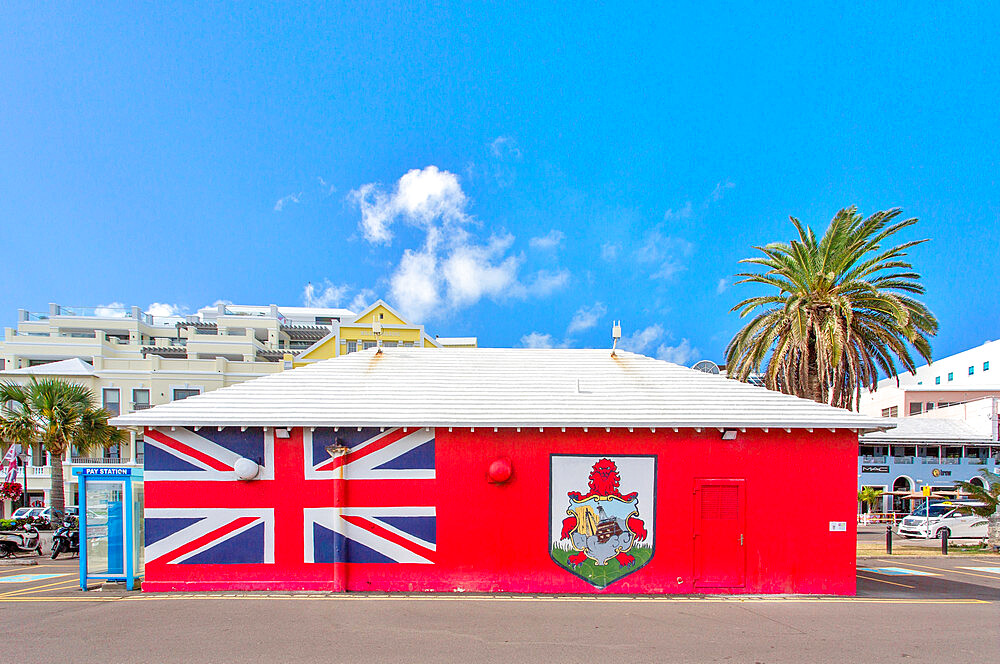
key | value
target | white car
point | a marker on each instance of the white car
(952, 517)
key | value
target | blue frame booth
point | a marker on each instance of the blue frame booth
(111, 525)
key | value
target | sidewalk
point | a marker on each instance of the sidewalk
(871, 543)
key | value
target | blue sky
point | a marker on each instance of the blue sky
(515, 172)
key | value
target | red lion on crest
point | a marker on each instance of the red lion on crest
(604, 481)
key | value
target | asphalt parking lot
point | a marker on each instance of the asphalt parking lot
(917, 609)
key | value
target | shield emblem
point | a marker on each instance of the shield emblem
(602, 515)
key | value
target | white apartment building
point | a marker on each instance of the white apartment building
(132, 360)
(966, 376)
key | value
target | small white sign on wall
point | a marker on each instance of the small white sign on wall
(838, 526)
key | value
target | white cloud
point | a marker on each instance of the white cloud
(361, 300)
(326, 189)
(643, 339)
(721, 287)
(550, 240)
(452, 269)
(538, 340)
(287, 200)
(610, 251)
(720, 191)
(586, 318)
(682, 353)
(545, 282)
(471, 272)
(681, 214)
(111, 310)
(421, 197)
(665, 254)
(218, 302)
(164, 310)
(505, 147)
(415, 284)
(326, 295)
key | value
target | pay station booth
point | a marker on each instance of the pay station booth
(111, 524)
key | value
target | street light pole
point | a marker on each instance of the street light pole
(23, 458)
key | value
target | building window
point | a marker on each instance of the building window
(185, 393)
(986, 365)
(929, 406)
(352, 346)
(937, 380)
(369, 344)
(140, 399)
(112, 401)
(972, 370)
(885, 412)
(951, 376)
(894, 411)
(916, 407)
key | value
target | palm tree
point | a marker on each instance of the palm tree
(869, 496)
(990, 497)
(840, 312)
(61, 416)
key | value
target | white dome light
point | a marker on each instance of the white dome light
(246, 469)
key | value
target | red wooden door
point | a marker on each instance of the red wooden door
(719, 520)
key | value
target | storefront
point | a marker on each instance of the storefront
(498, 470)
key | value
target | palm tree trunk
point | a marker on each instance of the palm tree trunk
(993, 529)
(57, 497)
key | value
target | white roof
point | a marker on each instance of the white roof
(71, 367)
(497, 387)
(930, 430)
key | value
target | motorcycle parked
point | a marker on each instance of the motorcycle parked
(66, 539)
(20, 541)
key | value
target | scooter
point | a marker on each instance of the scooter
(20, 541)
(66, 539)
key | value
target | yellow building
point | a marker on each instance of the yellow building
(358, 333)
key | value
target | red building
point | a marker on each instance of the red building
(500, 470)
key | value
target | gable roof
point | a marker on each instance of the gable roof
(71, 367)
(501, 387)
(371, 308)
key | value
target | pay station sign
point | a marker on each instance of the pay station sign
(104, 471)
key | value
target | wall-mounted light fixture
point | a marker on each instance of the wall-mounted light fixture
(500, 471)
(729, 434)
(246, 469)
(282, 433)
(337, 449)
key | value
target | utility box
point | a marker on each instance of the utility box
(111, 524)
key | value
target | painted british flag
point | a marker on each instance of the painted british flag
(370, 505)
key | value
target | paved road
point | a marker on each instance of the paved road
(910, 610)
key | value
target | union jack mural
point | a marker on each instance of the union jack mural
(217, 536)
(198, 512)
(176, 453)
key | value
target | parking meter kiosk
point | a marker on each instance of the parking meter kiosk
(111, 526)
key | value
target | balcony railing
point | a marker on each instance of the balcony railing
(100, 461)
(928, 461)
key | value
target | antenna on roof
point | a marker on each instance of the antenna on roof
(616, 335)
(377, 331)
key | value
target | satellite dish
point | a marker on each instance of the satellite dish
(707, 366)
